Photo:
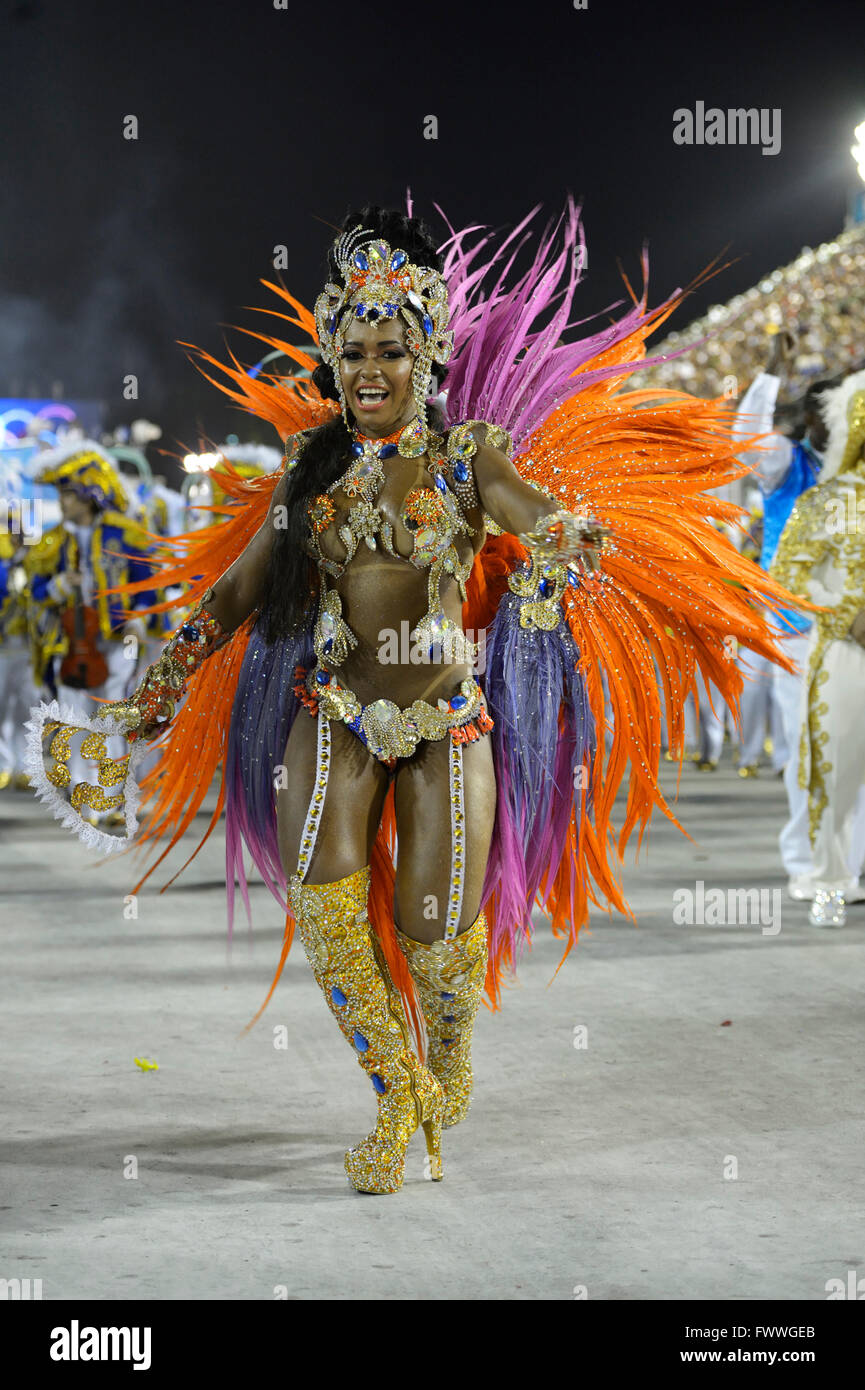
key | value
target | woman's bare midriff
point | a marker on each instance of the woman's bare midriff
(382, 600)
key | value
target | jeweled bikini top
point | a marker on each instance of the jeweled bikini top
(433, 515)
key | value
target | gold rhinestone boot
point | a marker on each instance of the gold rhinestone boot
(449, 978)
(353, 976)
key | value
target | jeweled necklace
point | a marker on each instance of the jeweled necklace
(383, 448)
(410, 441)
(366, 473)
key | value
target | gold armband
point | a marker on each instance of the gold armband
(147, 712)
(461, 449)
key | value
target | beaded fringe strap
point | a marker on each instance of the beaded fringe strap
(49, 783)
(457, 881)
(316, 801)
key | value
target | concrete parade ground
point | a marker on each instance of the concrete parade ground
(677, 1116)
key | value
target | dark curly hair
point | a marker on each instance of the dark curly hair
(291, 586)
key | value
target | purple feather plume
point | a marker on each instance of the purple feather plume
(532, 680)
(503, 368)
(264, 711)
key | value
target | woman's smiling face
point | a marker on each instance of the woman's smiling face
(375, 370)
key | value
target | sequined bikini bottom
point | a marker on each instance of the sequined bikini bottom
(386, 730)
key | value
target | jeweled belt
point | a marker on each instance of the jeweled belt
(388, 731)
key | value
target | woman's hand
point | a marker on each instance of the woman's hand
(129, 717)
(781, 353)
(568, 538)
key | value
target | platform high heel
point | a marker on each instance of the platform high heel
(449, 978)
(353, 976)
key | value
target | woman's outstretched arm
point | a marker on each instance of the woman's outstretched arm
(529, 514)
(206, 628)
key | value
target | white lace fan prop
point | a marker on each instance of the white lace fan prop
(53, 734)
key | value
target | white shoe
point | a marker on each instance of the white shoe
(801, 889)
(828, 909)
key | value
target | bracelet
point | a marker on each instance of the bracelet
(165, 681)
(562, 536)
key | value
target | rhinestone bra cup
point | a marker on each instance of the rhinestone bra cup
(433, 516)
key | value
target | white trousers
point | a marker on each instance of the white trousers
(837, 846)
(17, 694)
(760, 712)
(791, 695)
(708, 739)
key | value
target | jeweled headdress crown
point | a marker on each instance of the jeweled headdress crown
(380, 282)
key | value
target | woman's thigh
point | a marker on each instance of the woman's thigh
(423, 820)
(356, 789)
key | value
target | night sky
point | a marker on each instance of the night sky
(254, 121)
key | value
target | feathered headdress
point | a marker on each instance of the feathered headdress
(87, 470)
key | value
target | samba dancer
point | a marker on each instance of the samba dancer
(586, 560)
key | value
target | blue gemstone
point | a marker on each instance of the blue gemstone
(333, 322)
(339, 998)
(397, 259)
(378, 1083)
(447, 1042)
(323, 677)
(189, 632)
(440, 483)
(372, 315)
(573, 577)
(328, 644)
(461, 472)
(387, 451)
(448, 996)
(545, 587)
(356, 450)
(427, 324)
(360, 260)
(458, 701)
(360, 1041)
(446, 1018)
(360, 310)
